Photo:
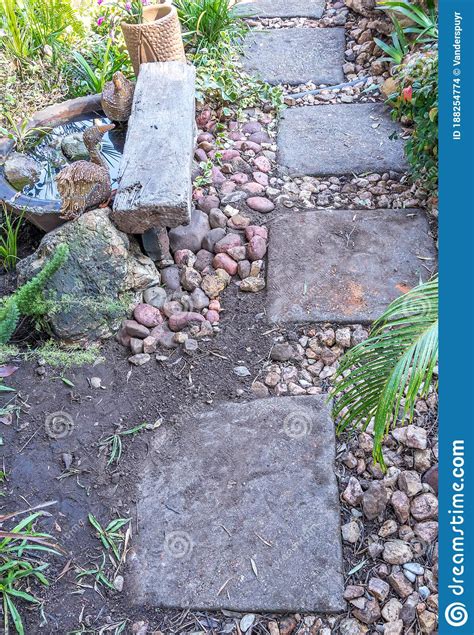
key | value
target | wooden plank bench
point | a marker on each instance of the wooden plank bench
(154, 185)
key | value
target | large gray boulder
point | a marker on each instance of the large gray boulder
(103, 277)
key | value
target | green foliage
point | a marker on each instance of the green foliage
(7, 351)
(419, 76)
(23, 136)
(113, 443)
(28, 299)
(15, 39)
(382, 377)
(61, 356)
(213, 35)
(9, 316)
(423, 23)
(115, 543)
(208, 23)
(19, 567)
(37, 27)
(9, 239)
(396, 51)
(221, 80)
(92, 70)
(111, 537)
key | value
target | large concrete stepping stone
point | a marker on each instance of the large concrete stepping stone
(239, 509)
(345, 266)
(296, 56)
(282, 8)
(339, 139)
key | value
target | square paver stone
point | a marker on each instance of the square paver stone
(282, 8)
(296, 56)
(239, 509)
(339, 139)
(345, 266)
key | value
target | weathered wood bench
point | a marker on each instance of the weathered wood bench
(154, 186)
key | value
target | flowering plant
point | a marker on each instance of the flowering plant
(130, 11)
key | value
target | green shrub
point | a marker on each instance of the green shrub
(91, 70)
(28, 299)
(416, 101)
(35, 27)
(208, 23)
(221, 81)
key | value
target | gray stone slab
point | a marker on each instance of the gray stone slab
(282, 8)
(221, 485)
(154, 183)
(339, 139)
(345, 266)
(296, 56)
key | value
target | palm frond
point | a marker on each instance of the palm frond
(382, 377)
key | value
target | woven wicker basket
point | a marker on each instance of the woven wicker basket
(157, 39)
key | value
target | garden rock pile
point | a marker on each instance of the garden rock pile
(223, 244)
(187, 307)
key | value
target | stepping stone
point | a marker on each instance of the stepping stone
(339, 139)
(239, 509)
(296, 56)
(282, 8)
(345, 266)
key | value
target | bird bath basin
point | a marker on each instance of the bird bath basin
(40, 202)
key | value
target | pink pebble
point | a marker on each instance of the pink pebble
(178, 321)
(250, 145)
(261, 178)
(229, 241)
(253, 188)
(214, 305)
(228, 155)
(260, 204)
(257, 248)
(183, 256)
(240, 178)
(212, 316)
(217, 177)
(256, 230)
(228, 187)
(262, 164)
(224, 261)
(147, 315)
